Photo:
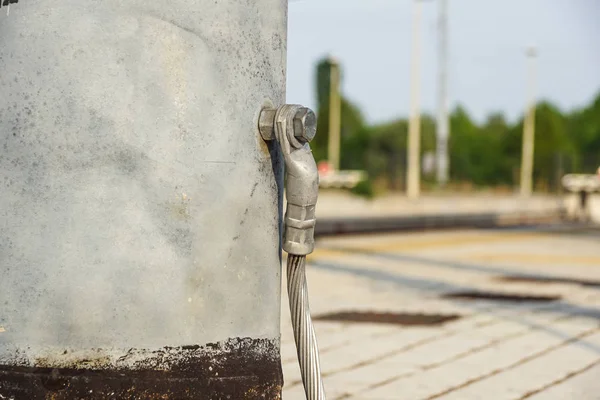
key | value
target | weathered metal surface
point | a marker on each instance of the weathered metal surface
(237, 369)
(139, 206)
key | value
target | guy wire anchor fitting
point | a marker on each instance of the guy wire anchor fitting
(293, 126)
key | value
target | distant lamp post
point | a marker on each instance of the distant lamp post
(335, 109)
(529, 127)
(413, 172)
(442, 126)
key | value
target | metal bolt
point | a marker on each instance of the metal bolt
(305, 125)
(266, 123)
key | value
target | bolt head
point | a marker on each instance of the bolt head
(305, 125)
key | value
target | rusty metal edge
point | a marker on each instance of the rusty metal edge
(240, 368)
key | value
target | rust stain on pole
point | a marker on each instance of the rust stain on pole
(237, 369)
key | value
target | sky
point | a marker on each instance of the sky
(487, 66)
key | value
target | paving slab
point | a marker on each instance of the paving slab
(581, 384)
(496, 350)
(447, 380)
(563, 362)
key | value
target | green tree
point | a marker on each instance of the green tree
(551, 140)
(497, 167)
(583, 127)
(352, 130)
(460, 144)
(386, 147)
(552, 143)
(478, 153)
(484, 154)
(386, 152)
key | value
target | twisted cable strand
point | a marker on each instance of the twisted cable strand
(304, 333)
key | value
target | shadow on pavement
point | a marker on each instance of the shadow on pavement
(445, 288)
(505, 271)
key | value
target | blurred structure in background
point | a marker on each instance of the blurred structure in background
(583, 185)
(529, 127)
(413, 172)
(442, 125)
(334, 115)
(338, 120)
(500, 151)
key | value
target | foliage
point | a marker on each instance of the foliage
(486, 154)
(364, 188)
(352, 124)
(584, 128)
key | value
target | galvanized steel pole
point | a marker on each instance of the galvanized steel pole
(140, 210)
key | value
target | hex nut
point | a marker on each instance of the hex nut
(305, 125)
(266, 123)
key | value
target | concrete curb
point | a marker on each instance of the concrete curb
(348, 225)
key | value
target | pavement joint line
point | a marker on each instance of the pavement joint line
(325, 349)
(464, 354)
(556, 382)
(388, 355)
(338, 345)
(446, 333)
(530, 357)
(575, 303)
(378, 274)
(373, 273)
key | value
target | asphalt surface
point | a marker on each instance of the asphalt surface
(469, 314)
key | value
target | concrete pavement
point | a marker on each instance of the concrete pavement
(495, 350)
(338, 204)
(343, 204)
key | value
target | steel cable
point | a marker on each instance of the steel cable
(304, 333)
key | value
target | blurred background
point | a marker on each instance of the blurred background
(466, 71)
(458, 240)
